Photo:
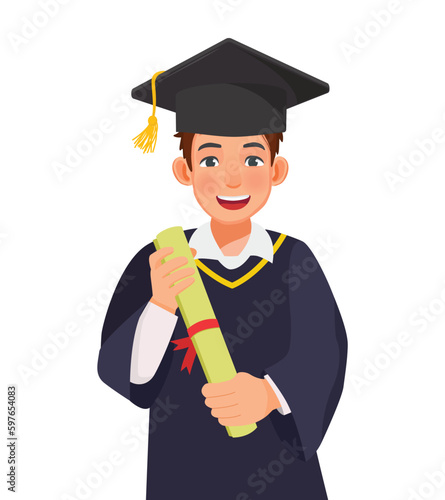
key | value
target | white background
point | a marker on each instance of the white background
(65, 238)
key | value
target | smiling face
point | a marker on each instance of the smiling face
(232, 177)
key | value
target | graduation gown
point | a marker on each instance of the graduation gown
(277, 318)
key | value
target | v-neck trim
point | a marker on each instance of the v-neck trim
(245, 277)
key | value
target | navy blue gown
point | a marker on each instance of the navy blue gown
(281, 320)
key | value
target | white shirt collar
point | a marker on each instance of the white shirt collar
(259, 244)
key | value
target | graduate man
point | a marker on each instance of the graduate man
(275, 308)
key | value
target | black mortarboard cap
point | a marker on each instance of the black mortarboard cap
(228, 89)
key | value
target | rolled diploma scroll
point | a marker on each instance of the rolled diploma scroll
(195, 306)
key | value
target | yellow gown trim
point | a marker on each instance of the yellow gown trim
(247, 276)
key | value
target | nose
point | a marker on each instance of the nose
(233, 175)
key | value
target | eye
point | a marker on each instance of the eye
(209, 161)
(253, 161)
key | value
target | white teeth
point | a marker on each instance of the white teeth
(233, 198)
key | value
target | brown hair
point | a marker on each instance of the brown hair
(187, 138)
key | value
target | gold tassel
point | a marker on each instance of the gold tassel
(146, 140)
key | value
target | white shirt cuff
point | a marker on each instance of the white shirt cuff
(284, 409)
(153, 334)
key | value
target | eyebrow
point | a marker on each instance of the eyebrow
(253, 145)
(209, 145)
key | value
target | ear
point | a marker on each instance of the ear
(182, 171)
(280, 169)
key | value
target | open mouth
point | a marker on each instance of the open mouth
(233, 202)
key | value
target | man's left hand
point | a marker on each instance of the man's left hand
(242, 400)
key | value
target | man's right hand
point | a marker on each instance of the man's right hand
(165, 276)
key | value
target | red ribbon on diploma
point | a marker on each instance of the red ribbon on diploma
(186, 342)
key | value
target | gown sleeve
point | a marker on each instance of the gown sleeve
(311, 374)
(130, 297)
